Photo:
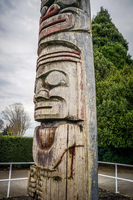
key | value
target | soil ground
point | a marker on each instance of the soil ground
(103, 195)
(106, 185)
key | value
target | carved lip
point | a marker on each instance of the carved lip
(46, 105)
(50, 23)
(43, 107)
(56, 23)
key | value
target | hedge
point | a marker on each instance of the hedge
(19, 149)
(16, 149)
(116, 155)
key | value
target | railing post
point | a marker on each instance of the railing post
(116, 183)
(10, 172)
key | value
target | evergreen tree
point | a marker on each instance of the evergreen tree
(108, 40)
(115, 109)
(114, 83)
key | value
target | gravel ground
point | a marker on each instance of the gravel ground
(103, 195)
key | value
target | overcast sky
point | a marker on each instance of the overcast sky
(18, 46)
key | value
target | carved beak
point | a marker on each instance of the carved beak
(53, 10)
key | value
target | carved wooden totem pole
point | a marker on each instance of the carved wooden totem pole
(65, 144)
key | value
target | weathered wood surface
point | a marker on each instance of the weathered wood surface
(67, 178)
(65, 143)
(59, 86)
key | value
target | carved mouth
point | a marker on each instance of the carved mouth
(46, 105)
(48, 24)
(50, 109)
(56, 23)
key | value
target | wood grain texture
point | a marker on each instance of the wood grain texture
(67, 179)
(65, 144)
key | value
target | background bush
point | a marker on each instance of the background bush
(19, 149)
(116, 155)
(16, 149)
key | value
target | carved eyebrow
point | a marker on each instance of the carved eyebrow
(48, 72)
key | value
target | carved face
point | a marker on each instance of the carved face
(56, 91)
(59, 84)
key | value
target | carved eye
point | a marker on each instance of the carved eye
(56, 78)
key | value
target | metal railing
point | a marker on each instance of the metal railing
(26, 178)
(116, 174)
(10, 174)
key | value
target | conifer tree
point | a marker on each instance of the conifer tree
(114, 83)
(109, 41)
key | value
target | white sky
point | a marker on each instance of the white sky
(18, 46)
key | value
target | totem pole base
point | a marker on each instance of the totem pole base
(67, 174)
(46, 184)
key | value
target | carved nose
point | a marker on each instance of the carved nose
(42, 94)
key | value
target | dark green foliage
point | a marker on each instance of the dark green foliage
(115, 109)
(103, 27)
(102, 66)
(115, 53)
(115, 155)
(16, 149)
(108, 40)
(114, 84)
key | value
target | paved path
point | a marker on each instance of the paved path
(124, 187)
(19, 188)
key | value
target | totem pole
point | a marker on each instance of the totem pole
(65, 143)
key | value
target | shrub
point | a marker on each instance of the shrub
(116, 155)
(16, 149)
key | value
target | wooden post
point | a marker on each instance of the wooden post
(65, 143)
